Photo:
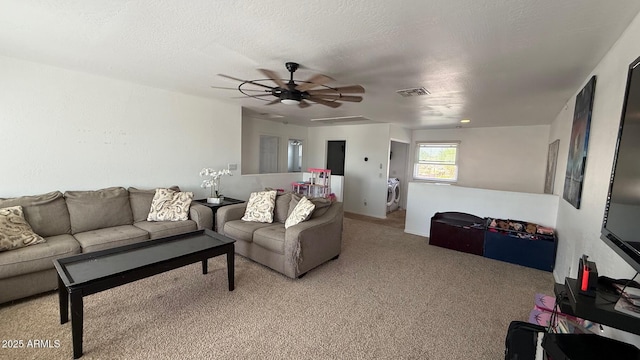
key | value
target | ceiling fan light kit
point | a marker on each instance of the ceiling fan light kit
(290, 101)
(300, 93)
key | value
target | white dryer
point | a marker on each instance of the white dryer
(393, 194)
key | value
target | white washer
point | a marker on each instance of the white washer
(396, 192)
(393, 194)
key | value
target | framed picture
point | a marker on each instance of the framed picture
(552, 160)
(578, 146)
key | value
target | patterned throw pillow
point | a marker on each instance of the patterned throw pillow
(170, 205)
(15, 232)
(322, 205)
(260, 206)
(300, 213)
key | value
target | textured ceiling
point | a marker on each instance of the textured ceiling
(503, 62)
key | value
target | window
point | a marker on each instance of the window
(436, 161)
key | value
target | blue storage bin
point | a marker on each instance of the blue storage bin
(516, 247)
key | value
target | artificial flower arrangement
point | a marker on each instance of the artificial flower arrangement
(213, 182)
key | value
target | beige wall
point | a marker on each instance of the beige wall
(364, 181)
(252, 128)
(498, 158)
(69, 130)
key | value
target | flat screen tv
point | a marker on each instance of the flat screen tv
(621, 223)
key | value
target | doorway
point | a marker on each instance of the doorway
(398, 175)
(335, 156)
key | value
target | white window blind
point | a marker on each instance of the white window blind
(436, 161)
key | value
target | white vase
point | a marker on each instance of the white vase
(214, 200)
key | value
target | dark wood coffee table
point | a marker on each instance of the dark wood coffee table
(89, 273)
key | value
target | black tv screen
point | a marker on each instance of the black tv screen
(621, 224)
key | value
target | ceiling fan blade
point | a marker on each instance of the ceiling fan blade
(245, 81)
(315, 80)
(303, 104)
(247, 97)
(352, 89)
(276, 101)
(339, 97)
(228, 88)
(328, 103)
(273, 76)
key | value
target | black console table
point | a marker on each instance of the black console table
(579, 346)
(600, 309)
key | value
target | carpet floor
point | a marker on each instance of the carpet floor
(390, 295)
(394, 219)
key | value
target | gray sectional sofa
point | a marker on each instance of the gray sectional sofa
(82, 221)
(293, 251)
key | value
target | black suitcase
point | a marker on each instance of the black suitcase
(521, 341)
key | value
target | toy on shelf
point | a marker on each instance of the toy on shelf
(318, 185)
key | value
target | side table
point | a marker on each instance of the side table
(215, 207)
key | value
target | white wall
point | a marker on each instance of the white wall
(400, 134)
(426, 199)
(500, 158)
(363, 180)
(579, 230)
(252, 128)
(70, 130)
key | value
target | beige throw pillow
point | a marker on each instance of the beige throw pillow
(15, 232)
(300, 213)
(170, 205)
(260, 206)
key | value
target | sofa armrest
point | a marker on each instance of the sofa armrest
(313, 242)
(202, 215)
(229, 213)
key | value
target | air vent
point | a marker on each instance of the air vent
(342, 119)
(413, 92)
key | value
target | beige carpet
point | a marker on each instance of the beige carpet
(390, 295)
(394, 219)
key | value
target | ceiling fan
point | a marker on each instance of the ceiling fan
(300, 93)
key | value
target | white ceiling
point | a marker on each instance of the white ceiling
(500, 62)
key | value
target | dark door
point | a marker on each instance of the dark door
(335, 156)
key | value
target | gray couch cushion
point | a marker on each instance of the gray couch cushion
(243, 230)
(160, 229)
(281, 211)
(140, 201)
(108, 238)
(37, 257)
(47, 213)
(271, 238)
(98, 209)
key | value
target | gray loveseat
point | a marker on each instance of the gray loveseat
(78, 222)
(292, 251)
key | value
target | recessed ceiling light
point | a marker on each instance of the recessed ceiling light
(465, 121)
